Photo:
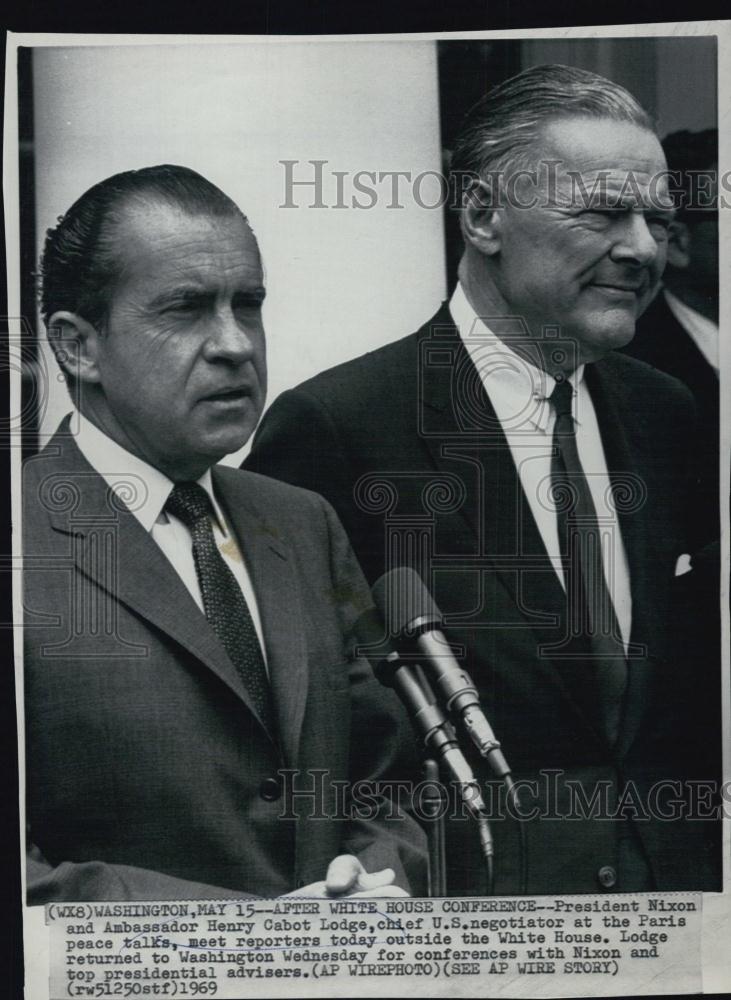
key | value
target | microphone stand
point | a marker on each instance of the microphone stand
(438, 735)
(433, 810)
(411, 615)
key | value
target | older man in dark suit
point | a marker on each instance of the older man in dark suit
(538, 481)
(191, 700)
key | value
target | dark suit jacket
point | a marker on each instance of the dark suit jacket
(406, 446)
(148, 776)
(661, 341)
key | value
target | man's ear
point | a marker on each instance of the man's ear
(678, 245)
(75, 343)
(481, 222)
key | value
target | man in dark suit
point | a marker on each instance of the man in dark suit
(678, 333)
(193, 711)
(538, 482)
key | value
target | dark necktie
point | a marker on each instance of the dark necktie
(600, 666)
(224, 604)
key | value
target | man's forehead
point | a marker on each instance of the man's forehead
(587, 143)
(591, 160)
(155, 220)
(168, 238)
(621, 187)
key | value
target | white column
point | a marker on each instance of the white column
(341, 280)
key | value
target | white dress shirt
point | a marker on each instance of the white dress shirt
(519, 393)
(146, 501)
(702, 331)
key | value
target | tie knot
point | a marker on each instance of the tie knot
(561, 398)
(189, 502)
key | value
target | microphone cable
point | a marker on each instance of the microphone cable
(522, 836)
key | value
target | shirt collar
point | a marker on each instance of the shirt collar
(517, 385)
(142, 488)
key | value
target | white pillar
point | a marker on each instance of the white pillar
(340, 280)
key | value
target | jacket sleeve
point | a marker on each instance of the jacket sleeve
(94, 880)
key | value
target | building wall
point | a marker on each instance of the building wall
(341, 280)
(674, 78)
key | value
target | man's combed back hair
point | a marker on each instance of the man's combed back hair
(80, 260)
(499, 130)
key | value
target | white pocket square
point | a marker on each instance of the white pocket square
(683, 564)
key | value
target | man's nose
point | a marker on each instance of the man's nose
(635, 243)
(229, 339)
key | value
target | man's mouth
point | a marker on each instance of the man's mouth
(620, 288)
(234, 394)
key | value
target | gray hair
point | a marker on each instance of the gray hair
(500, 130)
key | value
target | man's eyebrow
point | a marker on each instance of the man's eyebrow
(179, 292)
(193, 292)
(656, 204)
(620, 201)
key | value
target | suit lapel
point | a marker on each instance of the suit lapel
(270, 565)
(469, 441)
(624, 472)
(629, 480)
(111, 548)
(499, 515)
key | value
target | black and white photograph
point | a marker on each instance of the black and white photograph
(370, 512)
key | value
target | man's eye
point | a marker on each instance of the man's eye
(184, 306)
(600, 209)
(659, 222)
(599, 216)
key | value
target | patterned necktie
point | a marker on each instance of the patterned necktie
(592, 621)
(224, 604)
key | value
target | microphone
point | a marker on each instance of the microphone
(410, 613)
(432, 726)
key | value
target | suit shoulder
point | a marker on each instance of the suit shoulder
(300, 517)
(373, 369)
(269, 496)
(55, 476)
(384, 379)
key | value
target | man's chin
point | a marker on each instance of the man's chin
(622, 336)
(609, 338)
(224, 437)
(210, 449)
(227, 446)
